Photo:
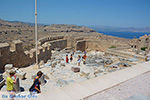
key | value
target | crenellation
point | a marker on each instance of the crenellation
(50, 38)
(44, 48)
(4, 48)
(15, 54)
(17, 46)
(40, 49)
(48, 46)
(32, 52)
(27, 53)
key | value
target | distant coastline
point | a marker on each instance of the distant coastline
(127, 35)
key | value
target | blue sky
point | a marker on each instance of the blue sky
(118, 13)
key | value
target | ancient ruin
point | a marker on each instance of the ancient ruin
(105, 54)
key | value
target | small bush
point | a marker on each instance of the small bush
(112, 46)
(143, 48)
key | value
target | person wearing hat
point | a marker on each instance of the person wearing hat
(10, 84)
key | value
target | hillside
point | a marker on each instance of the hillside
(13, 30)
(119, 29)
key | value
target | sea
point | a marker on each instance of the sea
(127, 35)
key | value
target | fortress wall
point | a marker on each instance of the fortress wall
(75, 40)
(13, 53)
(69, 41)
(81, 45)
(62, 43)
(96, 45)
(44, 53)
(20, 58)
(72, 40)
(4, 54)
(92, 43)
(103, 44)
(51, 38)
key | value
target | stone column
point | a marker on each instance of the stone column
(17, 85)
(42, 80)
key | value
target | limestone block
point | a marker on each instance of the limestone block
(62, 63)
(61, 82)
(48, 64)
(17, 45)
(46, 76)
(17, 85)
(108, 61)
(58, 61)
(82, 74)
(53, 64)
(8, 66)
(41, 63)
(2, 45)
(40, 49)
(21, 75)
(75, 69)
(91, 75)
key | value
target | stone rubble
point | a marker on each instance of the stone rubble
(58, 73)
(96, 65)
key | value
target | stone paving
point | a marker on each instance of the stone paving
(137, 88)
(77, 91)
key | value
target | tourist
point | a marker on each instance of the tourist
(84, 58)
(10, 84)
(67, 60)
(85, 52)
(79, 60)
(71, 58)
(35, 88)
(147, 58)
(73, 52)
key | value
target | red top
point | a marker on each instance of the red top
(84, 57)
(67, 59)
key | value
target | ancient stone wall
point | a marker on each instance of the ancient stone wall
(81, 45)
(123, 54)
(61, 44)
(51, 38)
(4, 54)
(72, 41)
(98, 45)
(13, 53)
(143, 41)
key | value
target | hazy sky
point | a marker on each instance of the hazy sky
(122, 13)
